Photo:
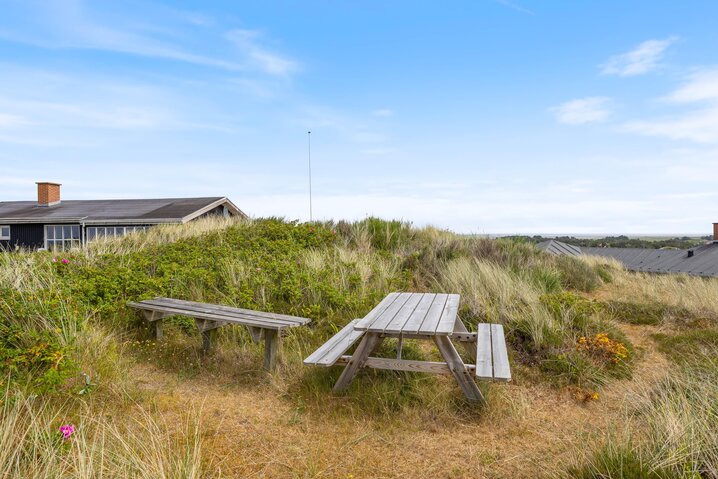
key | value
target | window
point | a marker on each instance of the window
(93, 232)
(4, 233)
(62, 237)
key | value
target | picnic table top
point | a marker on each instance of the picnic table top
(412, 313)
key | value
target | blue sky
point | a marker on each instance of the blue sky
(480, 116)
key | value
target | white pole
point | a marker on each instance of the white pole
(309, 145)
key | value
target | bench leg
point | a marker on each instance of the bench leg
(207, 337)
(256, 333)
(368, 344)
(272, 340)
(156, 318)
(158, 330)
(458, 369)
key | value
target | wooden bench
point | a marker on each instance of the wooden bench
(424, 316)
(209, 317)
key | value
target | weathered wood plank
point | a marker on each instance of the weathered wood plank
(447, 321)
(502, 371)
(428, 326)
(364, 322)
(221, 310)
(407, 311)
(458, 336)
(458, 368)
(405, 365)
(213, 316)
(332, 343)
(272, 340)
(484, 362)
(417, 317)
(368, 344)
(232, 309)
(381, 321)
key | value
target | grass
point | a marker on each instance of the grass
(72, 351)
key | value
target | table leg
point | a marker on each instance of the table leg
(458, 369)
(368, 344)
(470, 348)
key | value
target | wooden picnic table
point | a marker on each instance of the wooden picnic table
(209, 317)
(426, 316)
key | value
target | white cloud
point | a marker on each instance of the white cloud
(383, 112)
(583, 110)
(699, 125)
(269, 62)
(8, 120)
(642, 59)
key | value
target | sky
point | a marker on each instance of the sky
(481, 116)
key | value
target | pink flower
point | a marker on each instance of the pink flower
(259, 269)
(54, 260)
(67, 430)
(65, 261)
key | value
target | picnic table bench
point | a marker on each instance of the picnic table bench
(209, 317)
(425, 316)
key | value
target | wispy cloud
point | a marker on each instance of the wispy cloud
(699, 125)
(642, 59)
(583, 110)
(515, 7)
(248, 42)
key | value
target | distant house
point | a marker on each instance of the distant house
(53, 224)
(699, 261)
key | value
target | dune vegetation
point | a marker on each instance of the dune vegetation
(615, 373)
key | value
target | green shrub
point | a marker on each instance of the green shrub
(577, 275)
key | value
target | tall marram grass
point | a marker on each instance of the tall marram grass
(136, 443)
(671, 430)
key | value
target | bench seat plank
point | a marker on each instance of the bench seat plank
(502, 371)
(240, 312)
(484, 362)
(193, 313)
(329, 352)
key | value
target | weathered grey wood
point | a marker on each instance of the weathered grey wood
(156, 317)
(413, 323)
(327, 353)
(458, 368)
(272, 340)
(428, 326)
(399, 346)
(406, 365)
(364, 322)
(233, 310)
(447, 321)
(369, 343)
(502, 371)
(400, 318)
(459, 330)
(484, 357)
(388, 315)
(266, 324)
(220, 311)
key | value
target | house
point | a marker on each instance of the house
(51, 223)
(698, 261)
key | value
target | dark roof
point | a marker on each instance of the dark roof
(559, 248)
(140, 211)
(703, 262)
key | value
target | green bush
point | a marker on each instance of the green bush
(577, 275)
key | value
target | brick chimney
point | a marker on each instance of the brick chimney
(715, 231)
(48, 194)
